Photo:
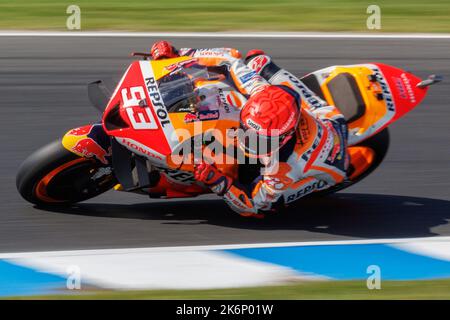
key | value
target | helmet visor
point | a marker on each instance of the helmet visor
(257, 144)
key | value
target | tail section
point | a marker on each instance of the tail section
(370, 96)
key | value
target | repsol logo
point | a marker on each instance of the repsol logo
(385, 90)
(307, 155)
(305, 92)
(223, 99)
(155, 98)
(317, 185)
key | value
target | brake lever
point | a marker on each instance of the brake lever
(144, 55)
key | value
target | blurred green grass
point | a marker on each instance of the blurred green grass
(227, 15)
(429, 289)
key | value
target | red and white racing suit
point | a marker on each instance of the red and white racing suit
(314, 160)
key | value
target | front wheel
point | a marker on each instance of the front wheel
(55, 176)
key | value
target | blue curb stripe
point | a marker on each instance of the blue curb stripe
(346, 262)
(16, 280)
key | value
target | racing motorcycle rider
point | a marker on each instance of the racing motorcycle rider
(311, 135)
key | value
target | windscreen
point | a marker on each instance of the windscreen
(181, 93)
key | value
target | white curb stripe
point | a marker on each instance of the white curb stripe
(89, 252)
(276, 35)
(437, 249)
(166, 270)
(195, 267)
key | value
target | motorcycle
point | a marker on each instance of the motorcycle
(134, 146)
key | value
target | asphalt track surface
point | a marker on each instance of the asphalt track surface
(43, 94)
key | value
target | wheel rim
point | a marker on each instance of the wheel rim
(361, 158)
(74, 181)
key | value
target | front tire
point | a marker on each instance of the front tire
(53, 175)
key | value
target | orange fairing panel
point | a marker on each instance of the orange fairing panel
(388, 94)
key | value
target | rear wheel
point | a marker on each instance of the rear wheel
(366, 156)
(55, 176)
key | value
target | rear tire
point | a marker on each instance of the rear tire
(53, 176)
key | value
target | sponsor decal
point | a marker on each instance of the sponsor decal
(234, 100)
(247, 77)
(208, 53)
(184, 109)
(308, 188)
(156, 100)
(334, 149)
(409, 88)
(190, 117)
(327, 147)
(157, 104)
(186, 51)
(223, 100)
(102, 171)
(91, 143)
(307, 155)
(139, 148)
(205, 115)
(81, 131)
(258, 63)
(288, 123)
(310, 98)
(253, 124)
(274, 183)
(89, 148)
(178, 175)
(404, 88)
(177, 66)
(400, 88)
(235, 202)
(387, 96)
(135, 105)
(304, 131)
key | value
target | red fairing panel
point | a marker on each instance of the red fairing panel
(404, 89)
(143, 110)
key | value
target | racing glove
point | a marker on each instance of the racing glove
(213, 178)
(163, 50)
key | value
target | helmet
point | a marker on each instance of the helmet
(269, 119)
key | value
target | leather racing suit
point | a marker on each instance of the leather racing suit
(315, 159)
